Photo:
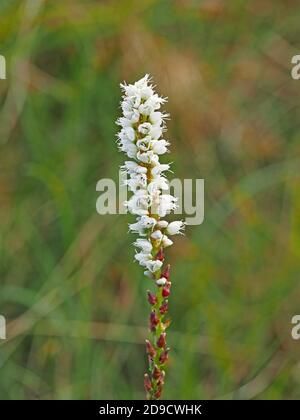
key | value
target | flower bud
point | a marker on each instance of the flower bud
(158, 392)
(156, 372)
(147, 383)
(150, 349)
(161, 342)
(166, 272)
(164, 356)
(154, 320)
(164, 307)
(161, 282)
(160, 255)
(166, 241)
(165, 292)
(151, 298)
(161, 380)
(162, 224)
(157, 235)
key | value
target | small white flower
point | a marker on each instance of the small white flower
(130, 90)
(158, 169)
(143, 224)
(131, 168)
(127, 133)
(155, 101)
(146, 108)
(154, 265)
(143, 82)
(145, 128)
(135, 116)
(126, 105)
(144, 144)
(137, 228)
(167, 203)
(143, 259)
(166, 241)
(139, 203)
(159, 146)
(124, 122)
(147, 222)
(174, 228)
(132, 101)
(147, 157)
(128, 147)
(144, 245)
(136, 182)
(146, 92)
(159, 183)
(156, 118)
(156, 132)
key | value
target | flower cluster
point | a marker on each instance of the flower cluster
(141, 139)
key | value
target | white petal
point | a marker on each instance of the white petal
(147, 222)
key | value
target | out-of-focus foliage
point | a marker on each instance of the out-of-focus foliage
(74, 300)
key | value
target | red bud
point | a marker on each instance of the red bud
(161, 342)
(154, 320)
(158, 393)
(147, 382)
(160, 381)
(166, 272)
(165, 291)
(151, 298)
(164, 307)
(156, 372)
(164, 356)
(150, 349)
(160, 255)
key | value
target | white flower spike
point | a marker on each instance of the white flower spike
(141, 139)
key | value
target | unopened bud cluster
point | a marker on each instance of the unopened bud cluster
(141, 139)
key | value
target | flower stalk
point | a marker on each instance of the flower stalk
(140, 138)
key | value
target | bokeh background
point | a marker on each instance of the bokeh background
(74, 301)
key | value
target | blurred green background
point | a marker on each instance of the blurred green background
(74, 301)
